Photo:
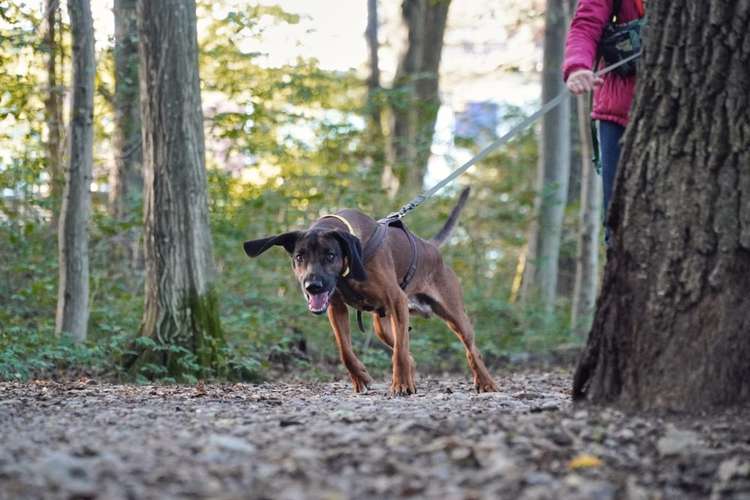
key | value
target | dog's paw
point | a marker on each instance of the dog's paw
(361, 382)
(487, 385)
(402, 389)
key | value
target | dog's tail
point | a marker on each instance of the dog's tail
(445, 232)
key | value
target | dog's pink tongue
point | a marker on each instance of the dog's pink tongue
(318, 301)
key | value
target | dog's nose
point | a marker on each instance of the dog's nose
(314, 286)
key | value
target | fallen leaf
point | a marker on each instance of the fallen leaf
(584, 461)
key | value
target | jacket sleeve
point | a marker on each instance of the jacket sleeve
(585, 31)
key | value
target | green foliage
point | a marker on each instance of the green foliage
(21, 105)
(26, 354)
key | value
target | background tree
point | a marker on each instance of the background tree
(73, 290)
(375, 96)
(126, 178)
(589, 222)
(541, 271)
(181, 315)
(671, 327)
(416, 99)
(53, 104)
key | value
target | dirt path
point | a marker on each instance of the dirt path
(282, 440)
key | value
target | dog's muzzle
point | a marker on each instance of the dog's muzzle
(318, 297)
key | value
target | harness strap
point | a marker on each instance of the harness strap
(412, 270)
(374, 242)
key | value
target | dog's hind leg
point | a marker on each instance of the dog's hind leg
(338, 315)
(449, 305)
(382, 327)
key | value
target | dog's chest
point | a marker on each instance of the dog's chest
(355, 298)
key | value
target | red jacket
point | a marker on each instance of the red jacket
(613, 98)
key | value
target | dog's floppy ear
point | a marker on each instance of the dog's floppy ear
(253, 248)
(352, 248)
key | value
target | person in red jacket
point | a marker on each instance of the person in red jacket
(613, 94)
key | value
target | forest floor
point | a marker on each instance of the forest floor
(289, 440)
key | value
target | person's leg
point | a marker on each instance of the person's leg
(610, 134)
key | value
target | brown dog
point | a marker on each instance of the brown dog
(395, 273)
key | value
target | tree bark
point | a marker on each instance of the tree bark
(126, 179)
(672, 322)
(53, 107)
(590, 213)
(181, 313)
(417, 100)
(73, 292)
(540, 278)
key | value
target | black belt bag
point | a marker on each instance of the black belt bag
(620, 41)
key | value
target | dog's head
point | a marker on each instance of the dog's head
(319, 259)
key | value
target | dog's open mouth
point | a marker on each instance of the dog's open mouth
(318, 303)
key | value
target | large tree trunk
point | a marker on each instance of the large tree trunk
(181, 312)
(126, 180)
(671, 328)
(417, 100)
(53, 107)
(73, 292)
(587, 262)
(540, 278)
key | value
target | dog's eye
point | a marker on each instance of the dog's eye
(330, 256)
(299, 258)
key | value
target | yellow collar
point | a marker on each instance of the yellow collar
(346, 222)
(351, 230)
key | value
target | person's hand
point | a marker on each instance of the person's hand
(583, 80)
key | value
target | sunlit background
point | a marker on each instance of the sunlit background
(492, 54)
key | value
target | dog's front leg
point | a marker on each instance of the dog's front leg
(338, 315)
(403, 375)
(382, 327)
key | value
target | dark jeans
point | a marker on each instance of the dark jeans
(610, 134)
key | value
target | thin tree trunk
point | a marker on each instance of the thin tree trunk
(566, 271)
(181, 312)
(126, 179)
(417, 100)
(672, 322)
(373, 80)
(587, 262)
(376, 140)
(53, 106)
(576, 172)
(540, 279)
(73, 292)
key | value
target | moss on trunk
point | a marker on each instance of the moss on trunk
(189, 350)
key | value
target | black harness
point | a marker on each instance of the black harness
(357, 300)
